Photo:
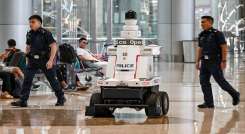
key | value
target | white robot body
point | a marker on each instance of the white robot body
(130, 62)
(129, 80)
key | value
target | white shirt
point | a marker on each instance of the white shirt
(83, 52)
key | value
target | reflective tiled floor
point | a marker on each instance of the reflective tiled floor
(178, 79)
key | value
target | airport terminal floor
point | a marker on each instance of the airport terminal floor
(181, 82)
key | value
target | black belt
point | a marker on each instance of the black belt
(38, 55)
(210, 57)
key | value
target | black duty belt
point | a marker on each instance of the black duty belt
(38, 55)
(211, 58)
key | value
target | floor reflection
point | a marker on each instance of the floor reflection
(178, 79)
(231, 123)
(61, 117)
(209, 122)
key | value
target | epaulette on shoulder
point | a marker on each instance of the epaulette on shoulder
(215, 30)
(28, 34)
(43, 31)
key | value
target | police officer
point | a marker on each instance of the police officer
(211, 60)
(41, 52)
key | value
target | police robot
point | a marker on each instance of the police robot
(129, 80)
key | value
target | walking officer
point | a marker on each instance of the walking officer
(41, 51)
(211, 60)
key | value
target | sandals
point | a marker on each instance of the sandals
(6, 95)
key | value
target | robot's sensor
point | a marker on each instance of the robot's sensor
(130, 15)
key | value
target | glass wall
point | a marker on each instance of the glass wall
(74, 18)
(101, 19)
(146, 13)
(147, 17)
(74, 21)
(49, 15)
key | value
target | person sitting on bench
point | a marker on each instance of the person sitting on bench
(10, 73)
(88, 59)
(7, 58)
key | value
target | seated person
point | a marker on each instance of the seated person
(7, 56)
(88, 59)
(7, 78)
(10, 79)
(9, 75)
(9, 52)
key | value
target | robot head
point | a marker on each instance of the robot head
(130, 15)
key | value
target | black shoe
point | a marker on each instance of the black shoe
(19, 103)
(205, 106)
(236, 99)
(61, 102)
(70, 88)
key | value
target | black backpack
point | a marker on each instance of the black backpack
(67, 53)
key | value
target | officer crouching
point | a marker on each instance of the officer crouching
(41, 49)
(212, 53)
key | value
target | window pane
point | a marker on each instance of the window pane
(75, 19)
(146, 15)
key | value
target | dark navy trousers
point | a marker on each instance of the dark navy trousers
(51, 77)
(207, 70)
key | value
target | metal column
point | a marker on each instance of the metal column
(58, 21)
(175, 23)
(14, 16)
(109, 21)
(93, 25)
